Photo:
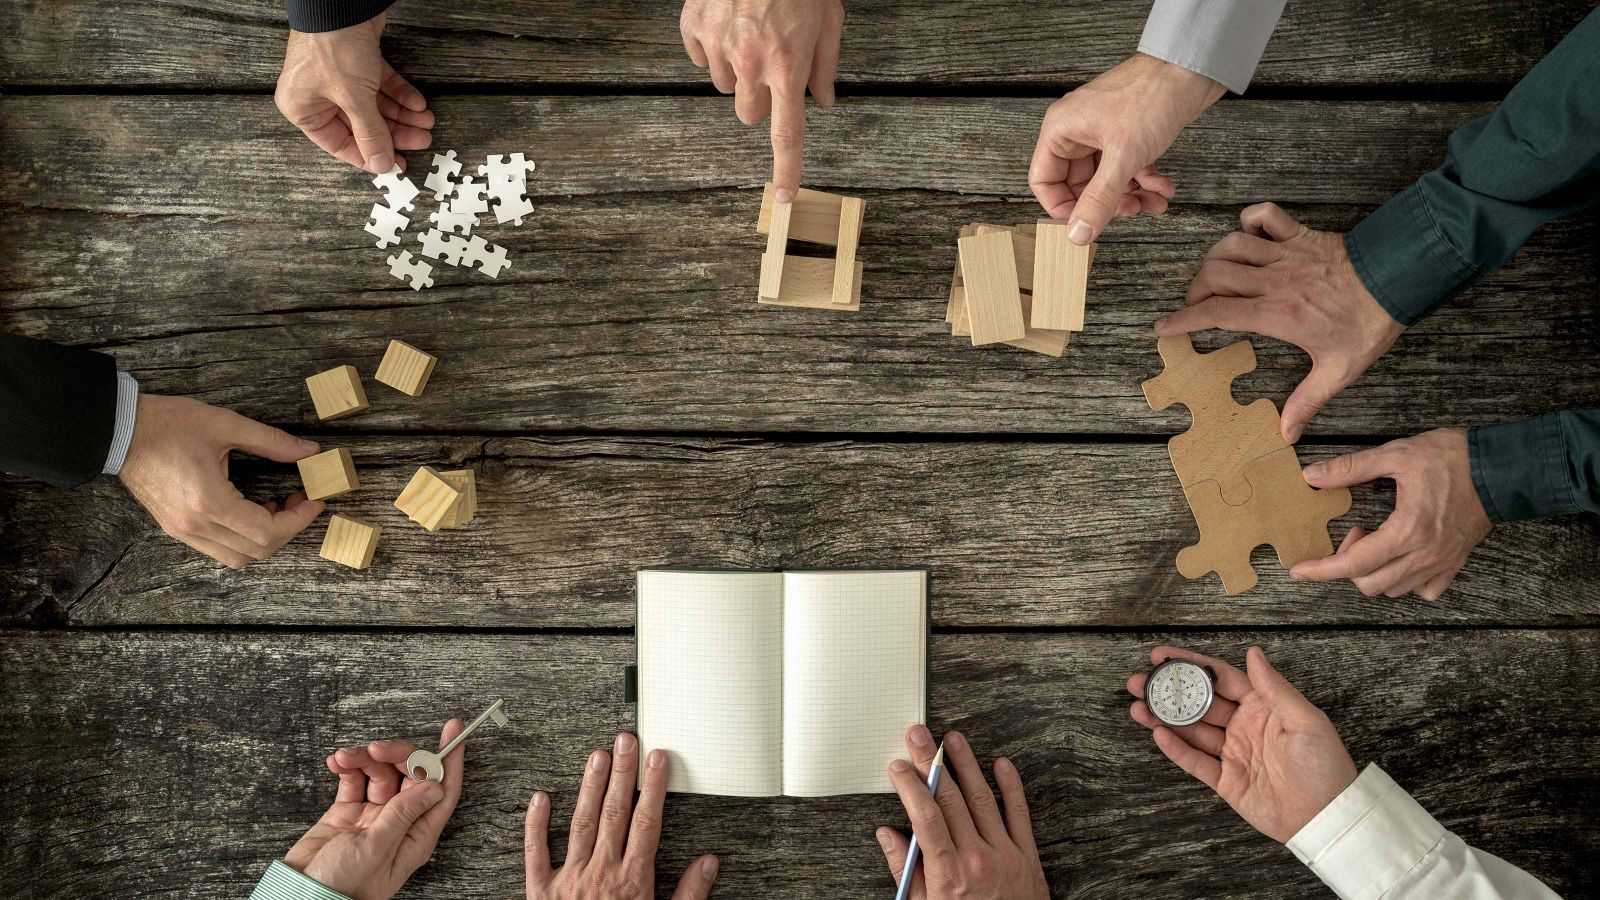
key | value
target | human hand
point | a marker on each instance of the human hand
(1437, 521)
(969, 849)
(1263, 747)
(1098, 145)
(338, 89)
(378, 832)
(177, 468)
(611, 851)
(1279, 278)
(765, 53)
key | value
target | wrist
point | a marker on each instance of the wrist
(1192, 92)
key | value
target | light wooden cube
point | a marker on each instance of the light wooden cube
(350, 541)
(329, 474)
(428, 499)
(405, 368)
(337, 393)
(465, 481)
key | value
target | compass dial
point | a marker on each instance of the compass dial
(1178, 692)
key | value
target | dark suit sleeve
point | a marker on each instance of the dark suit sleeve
(58, 410)
(332, 15)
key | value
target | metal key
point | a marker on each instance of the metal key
(426, 765)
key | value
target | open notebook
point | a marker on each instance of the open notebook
(767, 683)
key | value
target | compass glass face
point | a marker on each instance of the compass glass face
(1178, 692)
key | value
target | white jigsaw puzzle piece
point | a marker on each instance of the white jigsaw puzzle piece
(502, 170)
(490, 259)
(450, 221)
(398, 191)
(405, 268)
(386, 225)
(512, 209)
(438, 245)
(445, 168)
(469, 198)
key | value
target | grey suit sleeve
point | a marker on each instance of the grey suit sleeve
(1221, 39)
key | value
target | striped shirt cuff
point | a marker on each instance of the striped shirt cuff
(127, 414)
(284, 883)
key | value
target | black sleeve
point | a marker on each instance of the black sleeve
(332, 15)
(58, 410)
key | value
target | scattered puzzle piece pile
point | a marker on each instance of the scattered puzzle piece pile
(814, 282)
(432, 499)
(1021, 285)
(461, 202)
(1241, 479)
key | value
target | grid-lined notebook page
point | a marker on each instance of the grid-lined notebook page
(711, 679)
(856, 676)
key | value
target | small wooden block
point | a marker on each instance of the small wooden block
(1060, 277)
(350, 541)
(328, 474)
(815, 217)
(777, 249)
(845, 285)
(428, 499)
(405, 368)
(1039, 340)
(1022, 244)
(337, 393)
(994, 301)
(465, 481)
(808, 282)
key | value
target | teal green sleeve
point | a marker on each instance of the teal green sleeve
(1538, 467)
(284, 883)
(1535, 158)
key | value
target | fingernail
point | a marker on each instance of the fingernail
(708, 869)
(921, 736)
(1294, 433)
(1161, 323)
(1081, 232)
(625, 743)
(597, 760)
(884, 842)
(954, 741)
(899, 765)
(382, 162)
(658, 758)
(308, 447)
(783, 195)
(1293, 576)
(1004, 765)
(1314, 470)
(540, 800)
(432, 794)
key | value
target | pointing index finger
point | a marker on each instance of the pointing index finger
(788, 140)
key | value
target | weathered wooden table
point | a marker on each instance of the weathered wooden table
(627, 403)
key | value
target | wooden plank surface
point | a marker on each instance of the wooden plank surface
(239, 43)
(122, 239)
(567, 521)
(204, 752)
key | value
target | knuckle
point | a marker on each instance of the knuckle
(612, 815)
(925, 816)
(644, 820)
(583, 821)
(785, 137)
(979, 867)
(746, 58)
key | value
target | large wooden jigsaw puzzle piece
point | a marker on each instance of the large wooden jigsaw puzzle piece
(1223, 436)
(1282, 511)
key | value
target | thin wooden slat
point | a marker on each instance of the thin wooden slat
(567, 520)
(1061, 275)
(989, 274)
(846, 283)
(239, 43)
(814, 216)
(223, 770)
(777, 248)
(809, 282)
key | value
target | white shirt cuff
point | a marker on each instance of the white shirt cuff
(1367, 838)
(127, 414)
(1221, 39)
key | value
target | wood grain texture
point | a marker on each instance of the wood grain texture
(235, 280)
(567, 521)
(212, 758)
(994, 302)
(239, 43)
